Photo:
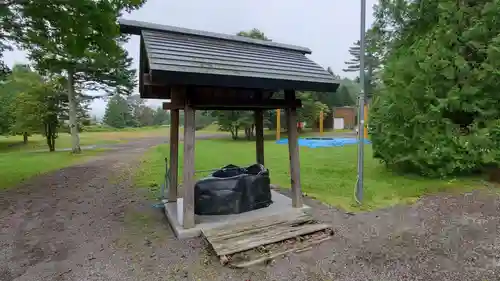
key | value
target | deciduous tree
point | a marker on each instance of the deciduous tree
(37, 108)
(22, 79)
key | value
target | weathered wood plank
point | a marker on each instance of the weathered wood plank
(270, 256)
(257, 223)
(259, 136)
(249, 228)
(188, 168)
(293, 148)
(174, 155)
(266, 236)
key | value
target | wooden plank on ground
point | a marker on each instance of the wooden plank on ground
(240, 237)
(236, 234)
(288, 217)
(268, 236)
(301, 247)
(251, 242)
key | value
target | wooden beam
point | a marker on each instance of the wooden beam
(235, 103)
(259, 135)
(188, 168)
(148, 81)
(177, 98)
(159, 89)
(229, 104)
(172, 106)
(142, 65)
(174, 155)
(293, 149)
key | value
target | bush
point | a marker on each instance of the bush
(438, 112)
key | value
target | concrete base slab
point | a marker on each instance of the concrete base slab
(281, 204)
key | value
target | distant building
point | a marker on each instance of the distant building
(346, 117)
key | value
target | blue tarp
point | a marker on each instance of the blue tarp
(324, 142)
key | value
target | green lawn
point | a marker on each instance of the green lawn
(17, 163)
(16, 167)
(328, 174)
(37, 142)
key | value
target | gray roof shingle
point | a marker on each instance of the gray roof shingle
(135, 27)
(178, 55)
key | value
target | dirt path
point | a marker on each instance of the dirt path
(87, 223)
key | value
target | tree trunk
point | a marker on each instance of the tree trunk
(248, 133)
(75, 139)
(50, 137)
(53, 142)
(25, 137)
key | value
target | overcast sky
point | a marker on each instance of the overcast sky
(327, 27)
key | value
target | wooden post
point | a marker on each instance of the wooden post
(278, 124)
(174, 155)
(188, 168)
(259, 135)
(321, 122)
(293, 148)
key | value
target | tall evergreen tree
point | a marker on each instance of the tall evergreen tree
(145, 116)
(438, 111)
(78, 39)
(344, 98)
(118, 113)
(161, 116)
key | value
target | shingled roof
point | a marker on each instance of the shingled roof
(173, 56)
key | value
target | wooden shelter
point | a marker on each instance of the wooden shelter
(199, 70)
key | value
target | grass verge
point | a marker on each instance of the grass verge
(328, 174)
(16, 167)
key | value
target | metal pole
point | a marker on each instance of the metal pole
(361, 105)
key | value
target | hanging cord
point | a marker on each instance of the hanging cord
(164, 187)
(356, 190)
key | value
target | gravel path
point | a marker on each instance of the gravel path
(87, 223)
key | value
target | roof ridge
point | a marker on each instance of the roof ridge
(135, 27)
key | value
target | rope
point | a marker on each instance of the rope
(356, 190)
